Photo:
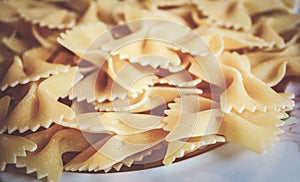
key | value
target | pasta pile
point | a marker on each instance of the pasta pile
(71, 85)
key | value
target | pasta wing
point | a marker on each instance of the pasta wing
(99, 159)
(82, 38)
(42, 105)
(231, 14)
(41, 13)
(178, 149)
(269, 28)
(272, 67)
(239, 128)
(29, 69)
(47, 161)
(12, 147)
(150, 99)
(242, 81)
(120, 123)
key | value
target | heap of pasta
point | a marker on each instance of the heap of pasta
(64, 91)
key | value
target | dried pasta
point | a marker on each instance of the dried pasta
(100, 86)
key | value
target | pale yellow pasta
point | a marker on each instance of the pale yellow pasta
(129, 76)
(236, 127)
(80, 39)
(128, 162)
(178, 149)
(103, 158)
(254, 7)
(230, 13)
(155, 4)
(132, 13)
(4, 101)
(270, 27)
(42, 105)
(194, 125)
(240, 80)
(113, 11)
(180, 79)
(47, 160)
(237, 14)
(239, 128)
(98, 87)
(151, 98)
(220, 39)
(110, 85)
(41, 13)
(120, 123)
(90, 15)
(259, 57)
(272, 67)
(13, 147)
(8, 12)
(29, 68)
(144, 51)
(183, 9)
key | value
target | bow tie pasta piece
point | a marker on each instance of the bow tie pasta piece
(269, 28)
(120, 123)
(129, 76)
(98, 86)
(132, 13)
(90, 15)
(255, 7)
(112, 11)
(234, 126)
(116, 149)
(150, 99)
(116, 79)
(178, 149)
(149, 52)
(42, 107)
(202, 67)
(231, 14)
(272, 67)
(41, 13)
(237, 14)
(253, 130)
(47, 161)
(81, 39)
(259, 57)
(12, 147)
(242, 81)
(183, 9)
(220, 39)
(9, 12)
(30, 68)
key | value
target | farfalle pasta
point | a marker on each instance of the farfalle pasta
(101, 86)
